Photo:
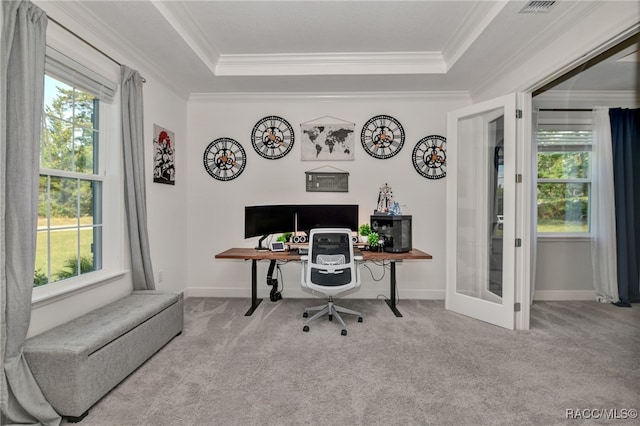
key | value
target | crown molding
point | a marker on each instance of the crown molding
(88, 26)
(603, 36)
(359, 63)
(473, 25)
(330, 97)
(178, 17)
(586, 99)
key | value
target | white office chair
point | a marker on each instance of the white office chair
(330, 268)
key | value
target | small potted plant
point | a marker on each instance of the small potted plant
(374, 240)
(364, 230)
(285, 237)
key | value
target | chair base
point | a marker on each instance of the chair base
(332, 310)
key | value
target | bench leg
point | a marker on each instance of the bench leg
(72, 419)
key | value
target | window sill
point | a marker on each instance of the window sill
(52, 293)
(563, 238)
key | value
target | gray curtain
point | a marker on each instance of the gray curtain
(22, 89)
(134, 179)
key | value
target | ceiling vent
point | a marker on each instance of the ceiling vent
(537, 7)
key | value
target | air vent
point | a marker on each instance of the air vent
(537, 7)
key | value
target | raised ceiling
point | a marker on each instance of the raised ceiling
(320, 46)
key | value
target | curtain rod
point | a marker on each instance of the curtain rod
(87, 43)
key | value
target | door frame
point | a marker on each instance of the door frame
(502, 314)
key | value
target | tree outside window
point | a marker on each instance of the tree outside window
(69, 209)
(564, 180)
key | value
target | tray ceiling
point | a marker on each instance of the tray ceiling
(319, 46)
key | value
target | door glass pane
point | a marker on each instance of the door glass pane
(480, 207)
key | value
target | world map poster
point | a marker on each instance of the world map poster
(326, 139)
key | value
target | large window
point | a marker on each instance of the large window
(564, 175)
(69, 238)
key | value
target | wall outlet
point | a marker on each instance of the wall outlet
(160, 276)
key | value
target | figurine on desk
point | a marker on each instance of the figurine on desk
(385, 200)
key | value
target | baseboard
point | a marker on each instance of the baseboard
(298, 293)
(564, 295)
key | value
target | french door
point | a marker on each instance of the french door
(481, 211)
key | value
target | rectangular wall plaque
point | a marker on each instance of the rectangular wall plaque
(327, 181)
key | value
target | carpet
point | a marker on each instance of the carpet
(431, 367)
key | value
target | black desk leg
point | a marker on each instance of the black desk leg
(254, 288)
(392, 302)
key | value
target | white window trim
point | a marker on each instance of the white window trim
(109, 148)
(561, 123)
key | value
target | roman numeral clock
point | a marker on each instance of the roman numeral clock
(430, 157)
(224, 159)
(272, 137)
(382, 136)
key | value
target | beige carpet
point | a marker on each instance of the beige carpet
(429, 367)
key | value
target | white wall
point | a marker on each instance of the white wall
(167, 205)
(564, 270)
(216, 209)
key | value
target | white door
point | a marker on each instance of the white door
(481, 211)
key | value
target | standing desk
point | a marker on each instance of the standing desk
(368, 256)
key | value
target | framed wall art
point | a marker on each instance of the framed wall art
(327, 138)
(164, 156)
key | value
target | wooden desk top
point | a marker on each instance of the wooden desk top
(253, 254)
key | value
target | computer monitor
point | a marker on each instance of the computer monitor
(262, 221)
(327, 216)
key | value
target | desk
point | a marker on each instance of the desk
(256, 255)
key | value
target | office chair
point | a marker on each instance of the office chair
(330, 268)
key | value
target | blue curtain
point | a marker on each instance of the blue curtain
(625, 138)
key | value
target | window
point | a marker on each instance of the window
(69, 234)
(70, 225)
(564, 175)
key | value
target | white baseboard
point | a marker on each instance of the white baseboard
(564, 295)
(298, 293)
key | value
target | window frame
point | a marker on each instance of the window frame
(566, 120)
(108, 172)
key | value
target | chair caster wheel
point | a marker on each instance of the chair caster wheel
(359, 319)
(305, 328)
(305, 315)
(343, 332)
(330, 317)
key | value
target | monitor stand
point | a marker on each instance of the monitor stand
(259, 247)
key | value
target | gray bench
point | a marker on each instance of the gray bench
(78, 362)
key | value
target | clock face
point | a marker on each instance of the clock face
(382, 136)
(430, 157)
(272, 137)
(224, 159)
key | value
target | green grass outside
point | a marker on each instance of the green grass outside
(64, 246)
(560, 226)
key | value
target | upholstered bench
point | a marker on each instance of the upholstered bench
(78, 362)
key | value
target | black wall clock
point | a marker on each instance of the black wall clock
(224, 159)
(272, 137)
(430, 157)
(382, 136)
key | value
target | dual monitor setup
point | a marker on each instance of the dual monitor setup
(262, 221)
